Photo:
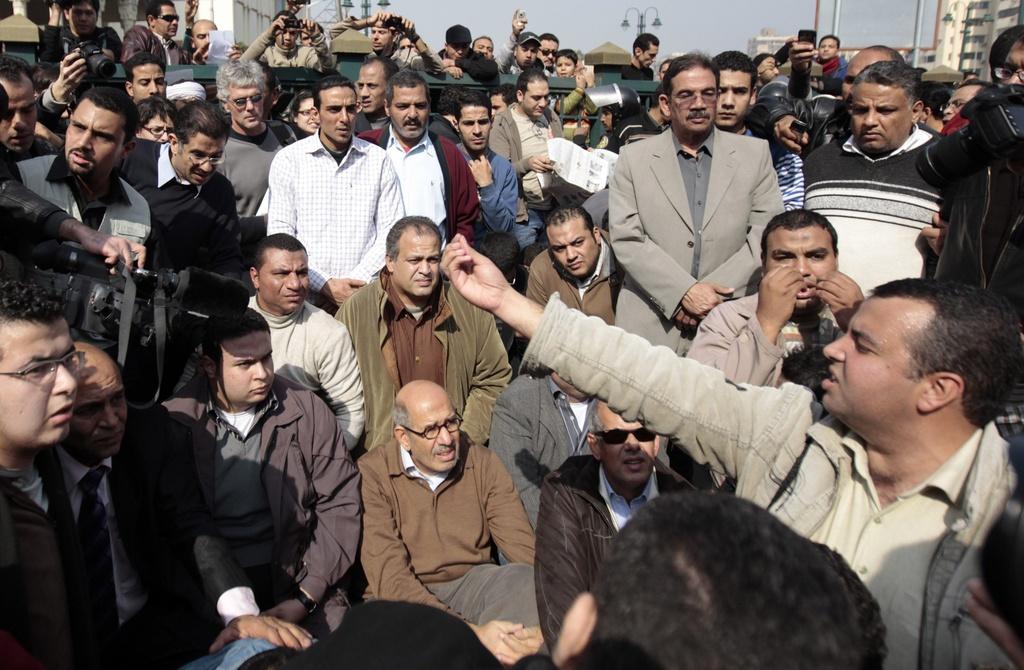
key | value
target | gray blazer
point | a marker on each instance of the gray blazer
(651, 228)
(529, 436)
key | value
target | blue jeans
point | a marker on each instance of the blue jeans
(231, 656)
(532, 231)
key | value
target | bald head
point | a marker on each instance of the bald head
(427, 427)
(97, 426)
(864, 58)
(201, 34)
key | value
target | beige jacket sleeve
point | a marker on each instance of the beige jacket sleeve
(730, 339)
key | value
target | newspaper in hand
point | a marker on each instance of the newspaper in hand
(588, 170)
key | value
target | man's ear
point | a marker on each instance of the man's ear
(577, 628)
(940, 390)
(254, 276)
(595, 449)
(402, 436)
(209, 367)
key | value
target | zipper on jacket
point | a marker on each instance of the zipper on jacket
(981, 231)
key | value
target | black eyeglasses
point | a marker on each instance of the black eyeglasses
(242, 103)
(618, 436)
(169, 18)
(450, 424)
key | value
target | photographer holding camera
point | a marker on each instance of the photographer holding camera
(278, 45)
(386, 32)
(80, 17)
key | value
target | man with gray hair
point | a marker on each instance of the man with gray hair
(251, 146)
(868, 187)
(409, 326)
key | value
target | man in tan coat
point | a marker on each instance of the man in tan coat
(407, 325)
(686, 210)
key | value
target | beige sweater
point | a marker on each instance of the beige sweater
(315, 351)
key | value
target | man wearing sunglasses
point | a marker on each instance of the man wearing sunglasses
(435, 506)
(586, 502)
(157, 36)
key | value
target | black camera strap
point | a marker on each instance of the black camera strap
(159, 327)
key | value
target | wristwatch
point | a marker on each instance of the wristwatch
(306, 601)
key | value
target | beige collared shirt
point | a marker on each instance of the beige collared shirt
(891, 548)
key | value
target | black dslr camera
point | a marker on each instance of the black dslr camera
(996, 131)
(63, 4)
(98, 63)
(292, 24)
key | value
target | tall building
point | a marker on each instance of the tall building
(765, 42)
(968, 28)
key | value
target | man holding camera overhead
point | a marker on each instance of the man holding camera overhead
(79, 26)
(386, 31)
(278, 47)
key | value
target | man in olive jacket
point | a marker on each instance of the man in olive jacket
(275, 474)
(408, 325)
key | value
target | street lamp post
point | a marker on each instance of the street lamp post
(641, 19)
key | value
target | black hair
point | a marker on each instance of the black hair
(281, 241)
(95, 4)
(973, 333)
(529, 76)
(220, 329)
(155, 107)
(736, 61)
(796, 219)
(473, 98)
(935, 95)
(153, 7)
(869, 615)
(285, 13)
(691, 61)
(298, 99)
(24, 301)
(14, 69)
(390, 68)
(1001, 48)
(563, 215)
(550, 37)
(506, 91)
(644, 41)
(729, 585)
(405, 79)
(140, 59)
(894, 74)
(329, 82)
(807, 367)
(418, 224)
(830, 37)
(199, 118)
(44, 74)
(116, 101)
(760, 58)
(449, 101)
(568, 53)
(502, 248)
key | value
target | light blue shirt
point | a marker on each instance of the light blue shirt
(621, 509)
(420, 178)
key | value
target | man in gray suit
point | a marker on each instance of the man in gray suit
(686, 211)
(538, 422)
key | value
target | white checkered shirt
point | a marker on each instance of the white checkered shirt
(341, 213)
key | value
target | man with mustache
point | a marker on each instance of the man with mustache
(435, 179)
(686, 211)
(84, 180)
(803, 302)
(274, 473)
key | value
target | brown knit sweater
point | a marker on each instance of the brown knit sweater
(414, 536)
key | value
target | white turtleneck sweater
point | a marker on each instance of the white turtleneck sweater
(314, 350)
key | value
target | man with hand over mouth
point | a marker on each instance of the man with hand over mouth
(803, 301)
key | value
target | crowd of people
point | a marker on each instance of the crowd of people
(747, 406)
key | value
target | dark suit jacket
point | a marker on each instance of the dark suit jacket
(529, 436)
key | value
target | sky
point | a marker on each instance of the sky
(718, 26)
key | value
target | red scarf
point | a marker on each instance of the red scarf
(830, 66)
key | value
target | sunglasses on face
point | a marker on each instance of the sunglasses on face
(618, 436)
(169, 18)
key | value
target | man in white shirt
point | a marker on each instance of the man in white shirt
(338, 195)
(310, 348)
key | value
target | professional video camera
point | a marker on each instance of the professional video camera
(996, 130)
(137, 308)
(97, 61)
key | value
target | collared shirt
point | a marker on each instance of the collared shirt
(622, 510)
(600, 269)
(891, 547)
(28, 481)
(433, 481)
(575, 415)
(696, 171)
(418, 352)
(92, 211)
(419, 173)
(165, 171)
(917, 138)
(341, 212)
(130, 593)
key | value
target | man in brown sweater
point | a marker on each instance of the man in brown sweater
(434, 506)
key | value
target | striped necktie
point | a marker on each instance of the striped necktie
(99, 564)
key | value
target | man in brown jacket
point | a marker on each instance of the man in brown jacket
(275, 474)
(157, 36)
(586, 502)
(436, 505)
(579, 266)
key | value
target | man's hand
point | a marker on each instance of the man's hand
(685, 321)
(518, 25)
(312, 27)
(55, 12)
(235, 53)
(704, 297)
(935, 234)
(581, 81)
(776, 300)
(789, 138)
(482, 173)
(842, 295)
(114, 250)
(290, 610)
(191, 9)
(801, 55)
(508, 641)
(73, 69)
(277, 26)
(292, 6)
(983, 611)
(541, 163)
(273, 630)
(454, 71)
(340, 290)
(199, 55)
